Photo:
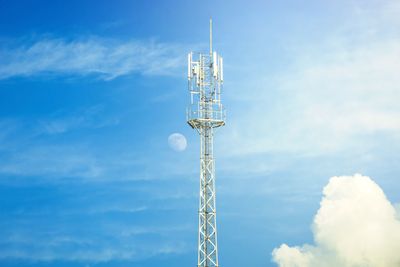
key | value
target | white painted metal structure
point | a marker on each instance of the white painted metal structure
(205, 75)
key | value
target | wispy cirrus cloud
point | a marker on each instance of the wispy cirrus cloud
(90, 117)
(99, 223)
(336, 91)
(105, 58)
(25, 151)
(52, 161)
(48, 248)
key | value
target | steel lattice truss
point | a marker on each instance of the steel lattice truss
(205, 75)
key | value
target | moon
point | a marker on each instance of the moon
(177, 142)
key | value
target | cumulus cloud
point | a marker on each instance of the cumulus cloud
(105, 58)
(356, 225)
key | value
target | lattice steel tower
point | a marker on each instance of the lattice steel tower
(205, 75)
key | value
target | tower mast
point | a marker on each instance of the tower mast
(205, 112)
(210, 36)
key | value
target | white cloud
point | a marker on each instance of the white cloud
(103, 57)
(334, 92)
(356, 225)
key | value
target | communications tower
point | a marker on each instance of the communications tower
(205, 112)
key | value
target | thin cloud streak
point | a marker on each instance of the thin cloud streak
(52, 160)
(92, 117)
(128, 243)
(105, 58)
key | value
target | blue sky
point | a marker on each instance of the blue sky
(91, 90)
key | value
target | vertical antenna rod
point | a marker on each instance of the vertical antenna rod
(205, 113)
(211, 36)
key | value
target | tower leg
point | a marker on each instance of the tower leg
(207, 246)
